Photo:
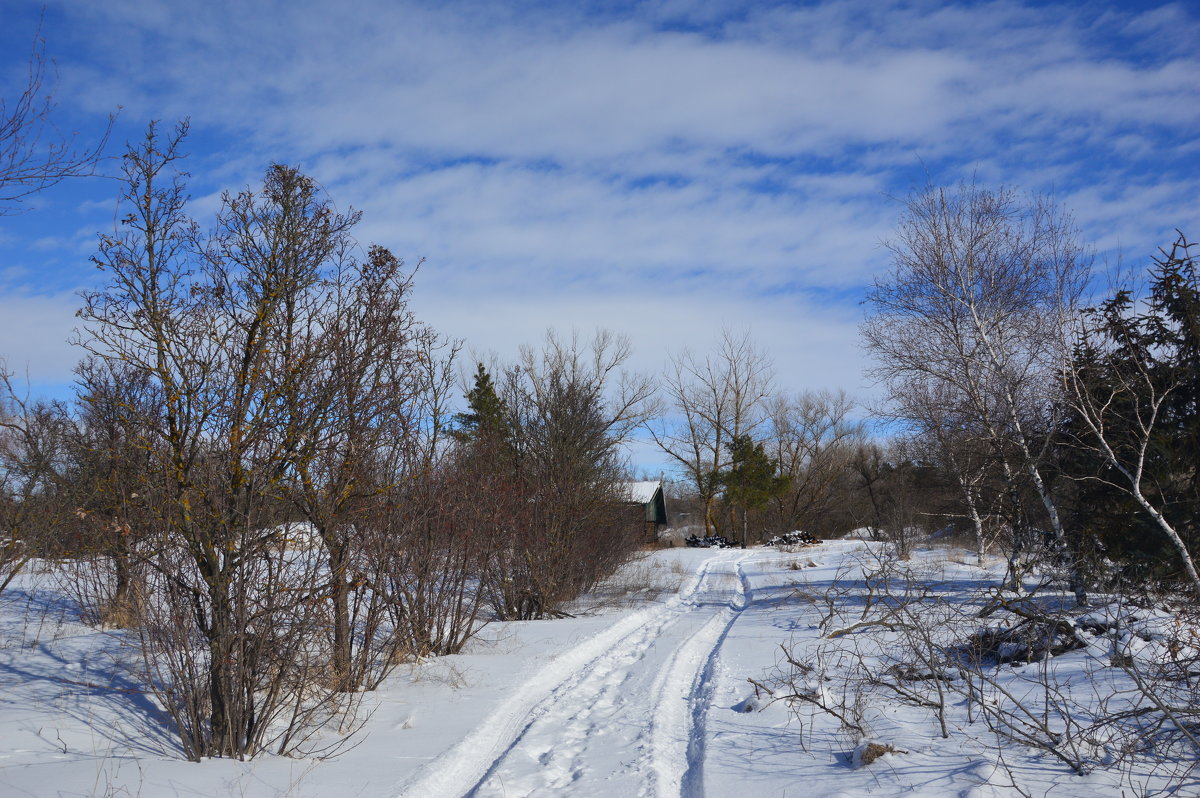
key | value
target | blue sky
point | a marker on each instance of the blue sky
(659, 168)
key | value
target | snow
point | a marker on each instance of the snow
(646, 692)
(641, 492)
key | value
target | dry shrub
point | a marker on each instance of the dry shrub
(868, 751)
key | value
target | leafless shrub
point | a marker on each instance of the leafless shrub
(108, 465)
(249, 676)
(92, 583)
(809, 686)
(433, 551)
(557, 524)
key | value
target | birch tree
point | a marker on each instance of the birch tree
(947, 433)
(981, 291)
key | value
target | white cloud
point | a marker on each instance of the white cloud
(429, 80)
(669, 168)
(35, 330)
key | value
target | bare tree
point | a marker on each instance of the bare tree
(945, 430)
(710, 402)
(34, 485)
(279, 359)
(351, 356)
(888, 482)
(34, 155)
(110, 464)
(210, 334)
(981, 292)
(812, 438)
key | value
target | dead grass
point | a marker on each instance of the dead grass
(636, 582)
(865, 754)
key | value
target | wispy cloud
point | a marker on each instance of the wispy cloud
(35, 329)
(660, 167)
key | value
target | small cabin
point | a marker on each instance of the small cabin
(648, 498)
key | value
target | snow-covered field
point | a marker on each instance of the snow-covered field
(646, 692)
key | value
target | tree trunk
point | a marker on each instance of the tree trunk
(223, 740)
(119, 610)
(973, 513)
(339, 588)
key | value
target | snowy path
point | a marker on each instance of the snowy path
(621, 714)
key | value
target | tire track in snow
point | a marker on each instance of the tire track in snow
(685, 693)
(578, 680)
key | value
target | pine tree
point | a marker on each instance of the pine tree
(751, 480)
(1173, 328)
(486, 416)
(1139, 353)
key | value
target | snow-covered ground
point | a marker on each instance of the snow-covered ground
(646, 692)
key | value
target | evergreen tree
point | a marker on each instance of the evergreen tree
(1138, 353)
(751, 480)
(486, 414)
(1173, 329)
